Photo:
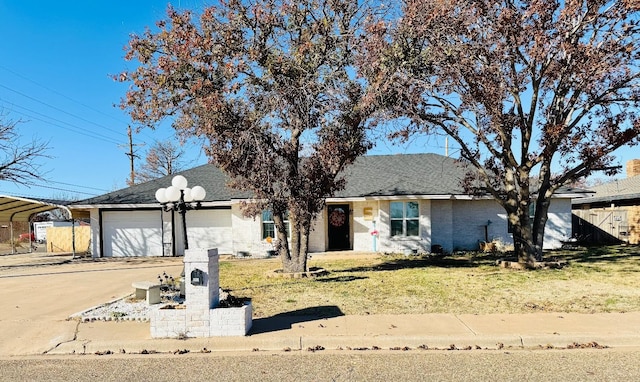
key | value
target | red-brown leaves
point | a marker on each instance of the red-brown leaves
(519, 85)
(269, 84)
(510, 72)
(632, 4)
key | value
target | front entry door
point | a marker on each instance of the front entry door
(338, 227)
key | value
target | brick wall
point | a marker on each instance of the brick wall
(472, 217)
(442, 227)
(317, 236)
(200, 316)
(247, 232)
(633, 168)
(362, 239)
(218, 322)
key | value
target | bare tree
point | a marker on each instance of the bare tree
(545, 87)
(20, 161)
(163, 158)
(58, 214)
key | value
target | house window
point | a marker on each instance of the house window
(532, 210)
(405, 219)
(269, 226)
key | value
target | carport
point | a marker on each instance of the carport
(19, 209)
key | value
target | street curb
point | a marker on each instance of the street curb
(347, 343)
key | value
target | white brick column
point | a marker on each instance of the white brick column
(206, 296)
(201, 298)
(201, 316)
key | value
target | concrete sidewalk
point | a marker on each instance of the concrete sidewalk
(389, 332)
(42, 290)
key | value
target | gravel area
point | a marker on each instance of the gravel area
(128, 308)
(131, 309)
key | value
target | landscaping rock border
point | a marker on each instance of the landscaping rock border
(312, 272)
(511, 264)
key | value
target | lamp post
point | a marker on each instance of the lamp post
(178, 197)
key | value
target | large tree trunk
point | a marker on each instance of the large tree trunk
(518, 214)
(539, 223)
(524, 245)
(293, 253)
(545, 192)
(528, 233)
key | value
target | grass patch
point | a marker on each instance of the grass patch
(603, 279)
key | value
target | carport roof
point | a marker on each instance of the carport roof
(16, 208)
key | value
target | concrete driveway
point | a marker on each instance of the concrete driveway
(41, 290)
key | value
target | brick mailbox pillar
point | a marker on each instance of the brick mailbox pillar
(202, 289)
(200, 315)
(205, 292)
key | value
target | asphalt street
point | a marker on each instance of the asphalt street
(38, 342)
(518, 365)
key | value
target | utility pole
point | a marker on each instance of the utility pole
(132, 155)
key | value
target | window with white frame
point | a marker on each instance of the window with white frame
(405, 218)
(269, 226)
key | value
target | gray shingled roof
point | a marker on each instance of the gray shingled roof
(619, 189)
(406, 174)
(208, 176)
(383, 175)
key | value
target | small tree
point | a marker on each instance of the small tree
(542, 87)
(19, 162)
(270, 84)
(163, 158)
(58, 214)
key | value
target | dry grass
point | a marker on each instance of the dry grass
(602, 279)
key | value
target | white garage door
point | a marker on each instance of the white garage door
(210, 229)
(132, 233)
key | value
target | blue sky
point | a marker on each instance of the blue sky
(55, 77)
(57, 58)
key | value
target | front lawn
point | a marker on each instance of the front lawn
(603, 279)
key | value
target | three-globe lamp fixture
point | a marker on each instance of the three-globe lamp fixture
(179, 197)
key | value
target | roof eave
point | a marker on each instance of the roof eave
(218, 203)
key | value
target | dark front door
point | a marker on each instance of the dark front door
(338, 227)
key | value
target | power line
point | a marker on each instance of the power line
(62, 95)
(77, 185)
(72, 128)
(43, 196)
(50, 187)
(62, 111)
(59, 189)
(68, 98)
